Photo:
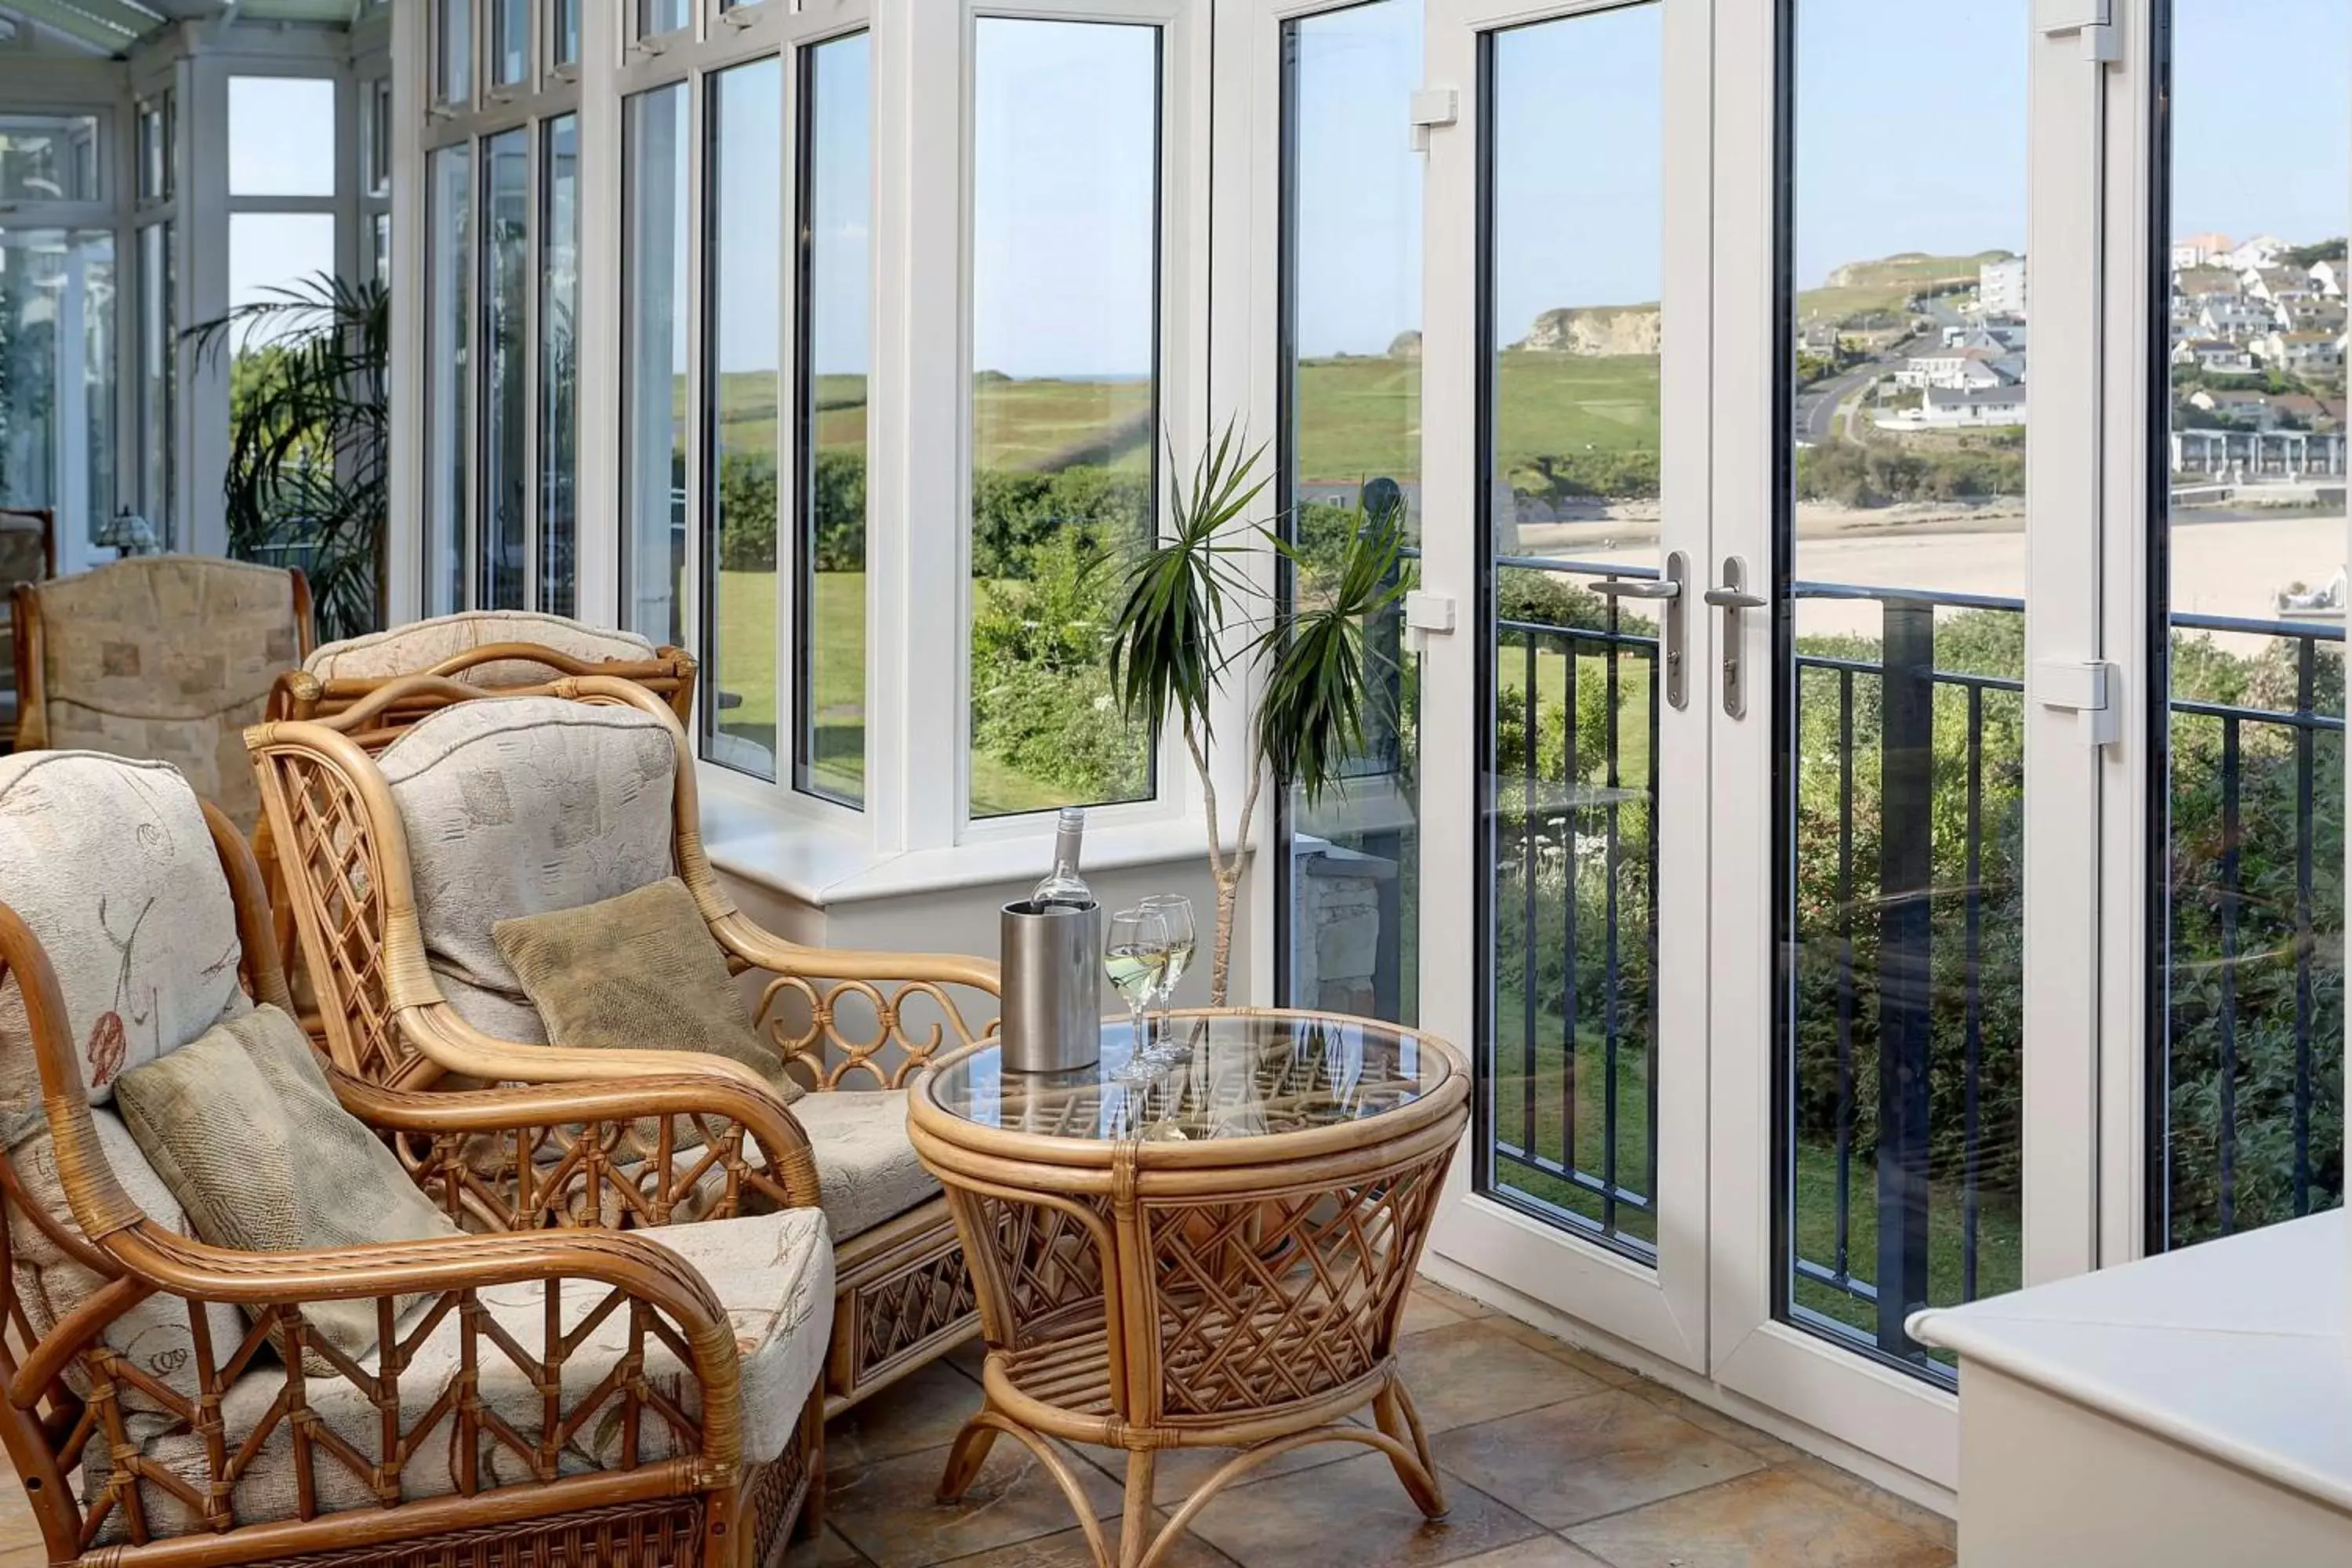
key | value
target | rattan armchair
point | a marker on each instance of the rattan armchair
(492, 650)
(574, 1395)
(164, 657)
(853, 1027)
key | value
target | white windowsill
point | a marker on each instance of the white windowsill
(823, 866)
(2235, 1349)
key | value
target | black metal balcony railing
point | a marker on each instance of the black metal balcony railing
(1902, 1001)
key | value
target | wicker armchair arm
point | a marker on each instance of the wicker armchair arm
(756, 1109)
(157, 1259)
(762, 949)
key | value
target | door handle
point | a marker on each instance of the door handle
(1733, 599)
(1666, 588)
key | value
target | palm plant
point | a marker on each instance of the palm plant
(1174, 641)
(310, 455)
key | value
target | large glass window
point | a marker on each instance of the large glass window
(49, 158)
(2246, 1078)
(658, 17)
(510, 41)
(506, 396)
(656, 267)
(1064, 416)
(452, 50)
(56, 372)
(559, 363)
(743, 274)
(1350, 438)
(281, 136)
(1574, 293)
(448, 370)
(159, 359)
(1902, 548)
(836, 332)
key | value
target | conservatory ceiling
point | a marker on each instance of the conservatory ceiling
(113, 26)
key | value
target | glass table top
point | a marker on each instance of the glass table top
(1234, 1075)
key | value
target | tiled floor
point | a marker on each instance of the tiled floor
(1551, 1459)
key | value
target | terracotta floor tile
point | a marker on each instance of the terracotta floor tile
(1069, 1550)
(1567, 1463)
(827, 1551)
(1423, 1312)
(1763, 1444)
(1452, 1301)
(889, 1510)
(1770, 1519)
(1181, 1470)
(1585, 1362)
(1543, 1551)
(1354, 1514)
(1475, 1371)
(1936, 1527)
(923, 1410)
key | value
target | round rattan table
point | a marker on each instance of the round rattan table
(1213, 1255)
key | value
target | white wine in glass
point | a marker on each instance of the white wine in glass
(1135, 956)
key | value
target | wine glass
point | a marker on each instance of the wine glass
(1135, 954)
(1175, 912)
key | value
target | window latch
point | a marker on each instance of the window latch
(1432, 107)
(2086, 689)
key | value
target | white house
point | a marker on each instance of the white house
(2303, 353)
(2000, 287)
(2281, 285)
(2251, 409)
(1962, 368)
(1943, 408)
(2259, 252)
(2199, 249)
(2328, 277)
(2236, 318)
(2217, 354)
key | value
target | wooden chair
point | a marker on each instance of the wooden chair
(583, 1394)
(28, 554)
(160, 656)
(487, 649)
(855, 1026)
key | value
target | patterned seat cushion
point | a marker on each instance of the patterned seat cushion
(421, 645)
(773, 1273)
(517, 806)
(111, 865)
(865, 1165)
(170, 658)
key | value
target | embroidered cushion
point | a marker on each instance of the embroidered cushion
(244, 1130)
(421, 645)
(516, 806)
(169, 658)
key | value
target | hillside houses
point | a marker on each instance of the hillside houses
(2242, 310)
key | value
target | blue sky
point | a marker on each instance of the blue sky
(1911, 136)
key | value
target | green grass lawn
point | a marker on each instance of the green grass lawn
(2000, 1245)
(744, 665)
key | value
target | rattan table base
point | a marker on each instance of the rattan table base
(1219, 1260)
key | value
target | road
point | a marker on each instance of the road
(1817, 404)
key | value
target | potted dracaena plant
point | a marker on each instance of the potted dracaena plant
(1190, 615)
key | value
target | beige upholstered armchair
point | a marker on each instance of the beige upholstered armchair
(163, 657)
(488, 649)
(400, 861)
(534, 1395)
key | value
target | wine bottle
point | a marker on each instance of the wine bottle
(1065, 888)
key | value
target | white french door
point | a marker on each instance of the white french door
(1566, 440)
(1857, 799)
(1764, 715)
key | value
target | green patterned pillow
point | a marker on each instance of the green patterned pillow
(641, 972)
(243, 1126)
